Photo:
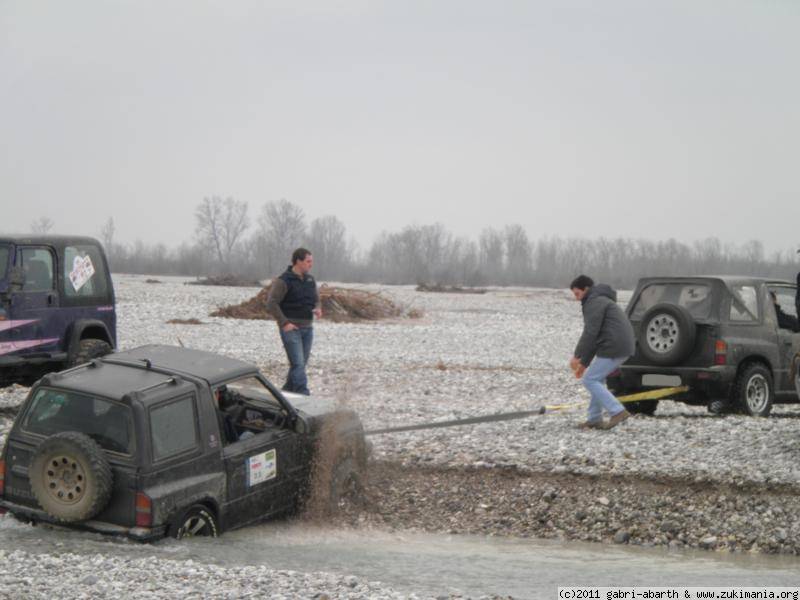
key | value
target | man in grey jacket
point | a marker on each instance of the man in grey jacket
(607, 342)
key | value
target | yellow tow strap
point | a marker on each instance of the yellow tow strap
(648, 395)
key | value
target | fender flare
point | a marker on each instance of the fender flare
(75, 335)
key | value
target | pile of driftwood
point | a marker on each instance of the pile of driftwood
(226, 280)
(448, 289)
(338, 304)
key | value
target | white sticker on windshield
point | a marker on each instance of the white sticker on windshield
(82, 271)
(261, 467)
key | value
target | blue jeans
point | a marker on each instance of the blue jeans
(594, 380)
(297, 344)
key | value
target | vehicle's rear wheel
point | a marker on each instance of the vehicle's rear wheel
(197, 520)
(70, 476)
(89, 349)
(753, 390)
(642, 407)
(667, 334)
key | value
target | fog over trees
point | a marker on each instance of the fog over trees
(228, 241)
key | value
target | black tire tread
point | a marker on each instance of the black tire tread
(176, 530)
(88, 349)
(688, 333)
(98, 467)
(740, 388)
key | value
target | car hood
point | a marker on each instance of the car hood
(320, 409)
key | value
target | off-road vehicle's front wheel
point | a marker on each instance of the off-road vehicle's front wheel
(753, 391)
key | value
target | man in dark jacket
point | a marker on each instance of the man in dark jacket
(294, 302)
(607, 342)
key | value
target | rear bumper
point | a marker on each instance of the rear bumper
(703, 382)
(141, 534)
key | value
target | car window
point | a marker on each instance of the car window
(108, 423)
(173, 428)
(37, 265)
(254, 389)
(744, 303)
(694, 297)
(84, 272)
(4, 253)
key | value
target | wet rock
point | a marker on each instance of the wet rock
(708, 542)
(622, 537)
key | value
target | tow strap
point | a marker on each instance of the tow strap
(510, 416)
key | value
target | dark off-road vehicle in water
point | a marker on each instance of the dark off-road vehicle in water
(56, 305)
(162, 440)
(723, 337)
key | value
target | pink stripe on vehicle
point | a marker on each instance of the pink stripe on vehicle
(18, 323)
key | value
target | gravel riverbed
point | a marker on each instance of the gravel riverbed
(682, 478)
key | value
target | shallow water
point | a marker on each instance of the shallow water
(433, 564)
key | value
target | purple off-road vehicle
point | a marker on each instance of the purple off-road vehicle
(56, 305)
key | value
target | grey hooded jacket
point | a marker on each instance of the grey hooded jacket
(607, 332)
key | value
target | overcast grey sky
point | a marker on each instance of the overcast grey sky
(587, 118)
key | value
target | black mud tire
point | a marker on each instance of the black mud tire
(753, 391)
(70, 477)
(642, 407)
(195, 521)
(667, 334)
(347, 484)
(87, 350)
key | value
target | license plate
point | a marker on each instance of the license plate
(656, 380)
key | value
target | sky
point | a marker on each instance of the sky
(657, 119)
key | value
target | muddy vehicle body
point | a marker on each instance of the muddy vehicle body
(56, 305)
(720, 336)
(162, 440)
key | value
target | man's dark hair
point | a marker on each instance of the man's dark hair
(300, 254)
(581, 282)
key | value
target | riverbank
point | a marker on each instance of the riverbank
(618, 509)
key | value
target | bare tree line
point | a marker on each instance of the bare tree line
(228, 241)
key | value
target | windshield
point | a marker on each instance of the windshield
(4, 253)
(694, 297)
(107, 423)
(251, 388)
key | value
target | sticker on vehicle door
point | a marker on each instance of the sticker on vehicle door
(82, 271)
(261, 467)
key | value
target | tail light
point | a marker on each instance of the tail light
(2, 478)
(720, 353)
(144, 510)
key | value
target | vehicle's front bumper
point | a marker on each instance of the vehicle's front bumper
(141, 534)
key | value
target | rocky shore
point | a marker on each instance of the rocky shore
(609, 509)
(681, 479)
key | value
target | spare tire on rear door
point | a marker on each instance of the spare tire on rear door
(70, 476)
(667, 334)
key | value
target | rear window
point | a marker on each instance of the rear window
(694, 297)
(107, 423)
(172, 428)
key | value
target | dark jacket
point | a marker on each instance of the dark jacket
(607, 332)
(292, 299)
